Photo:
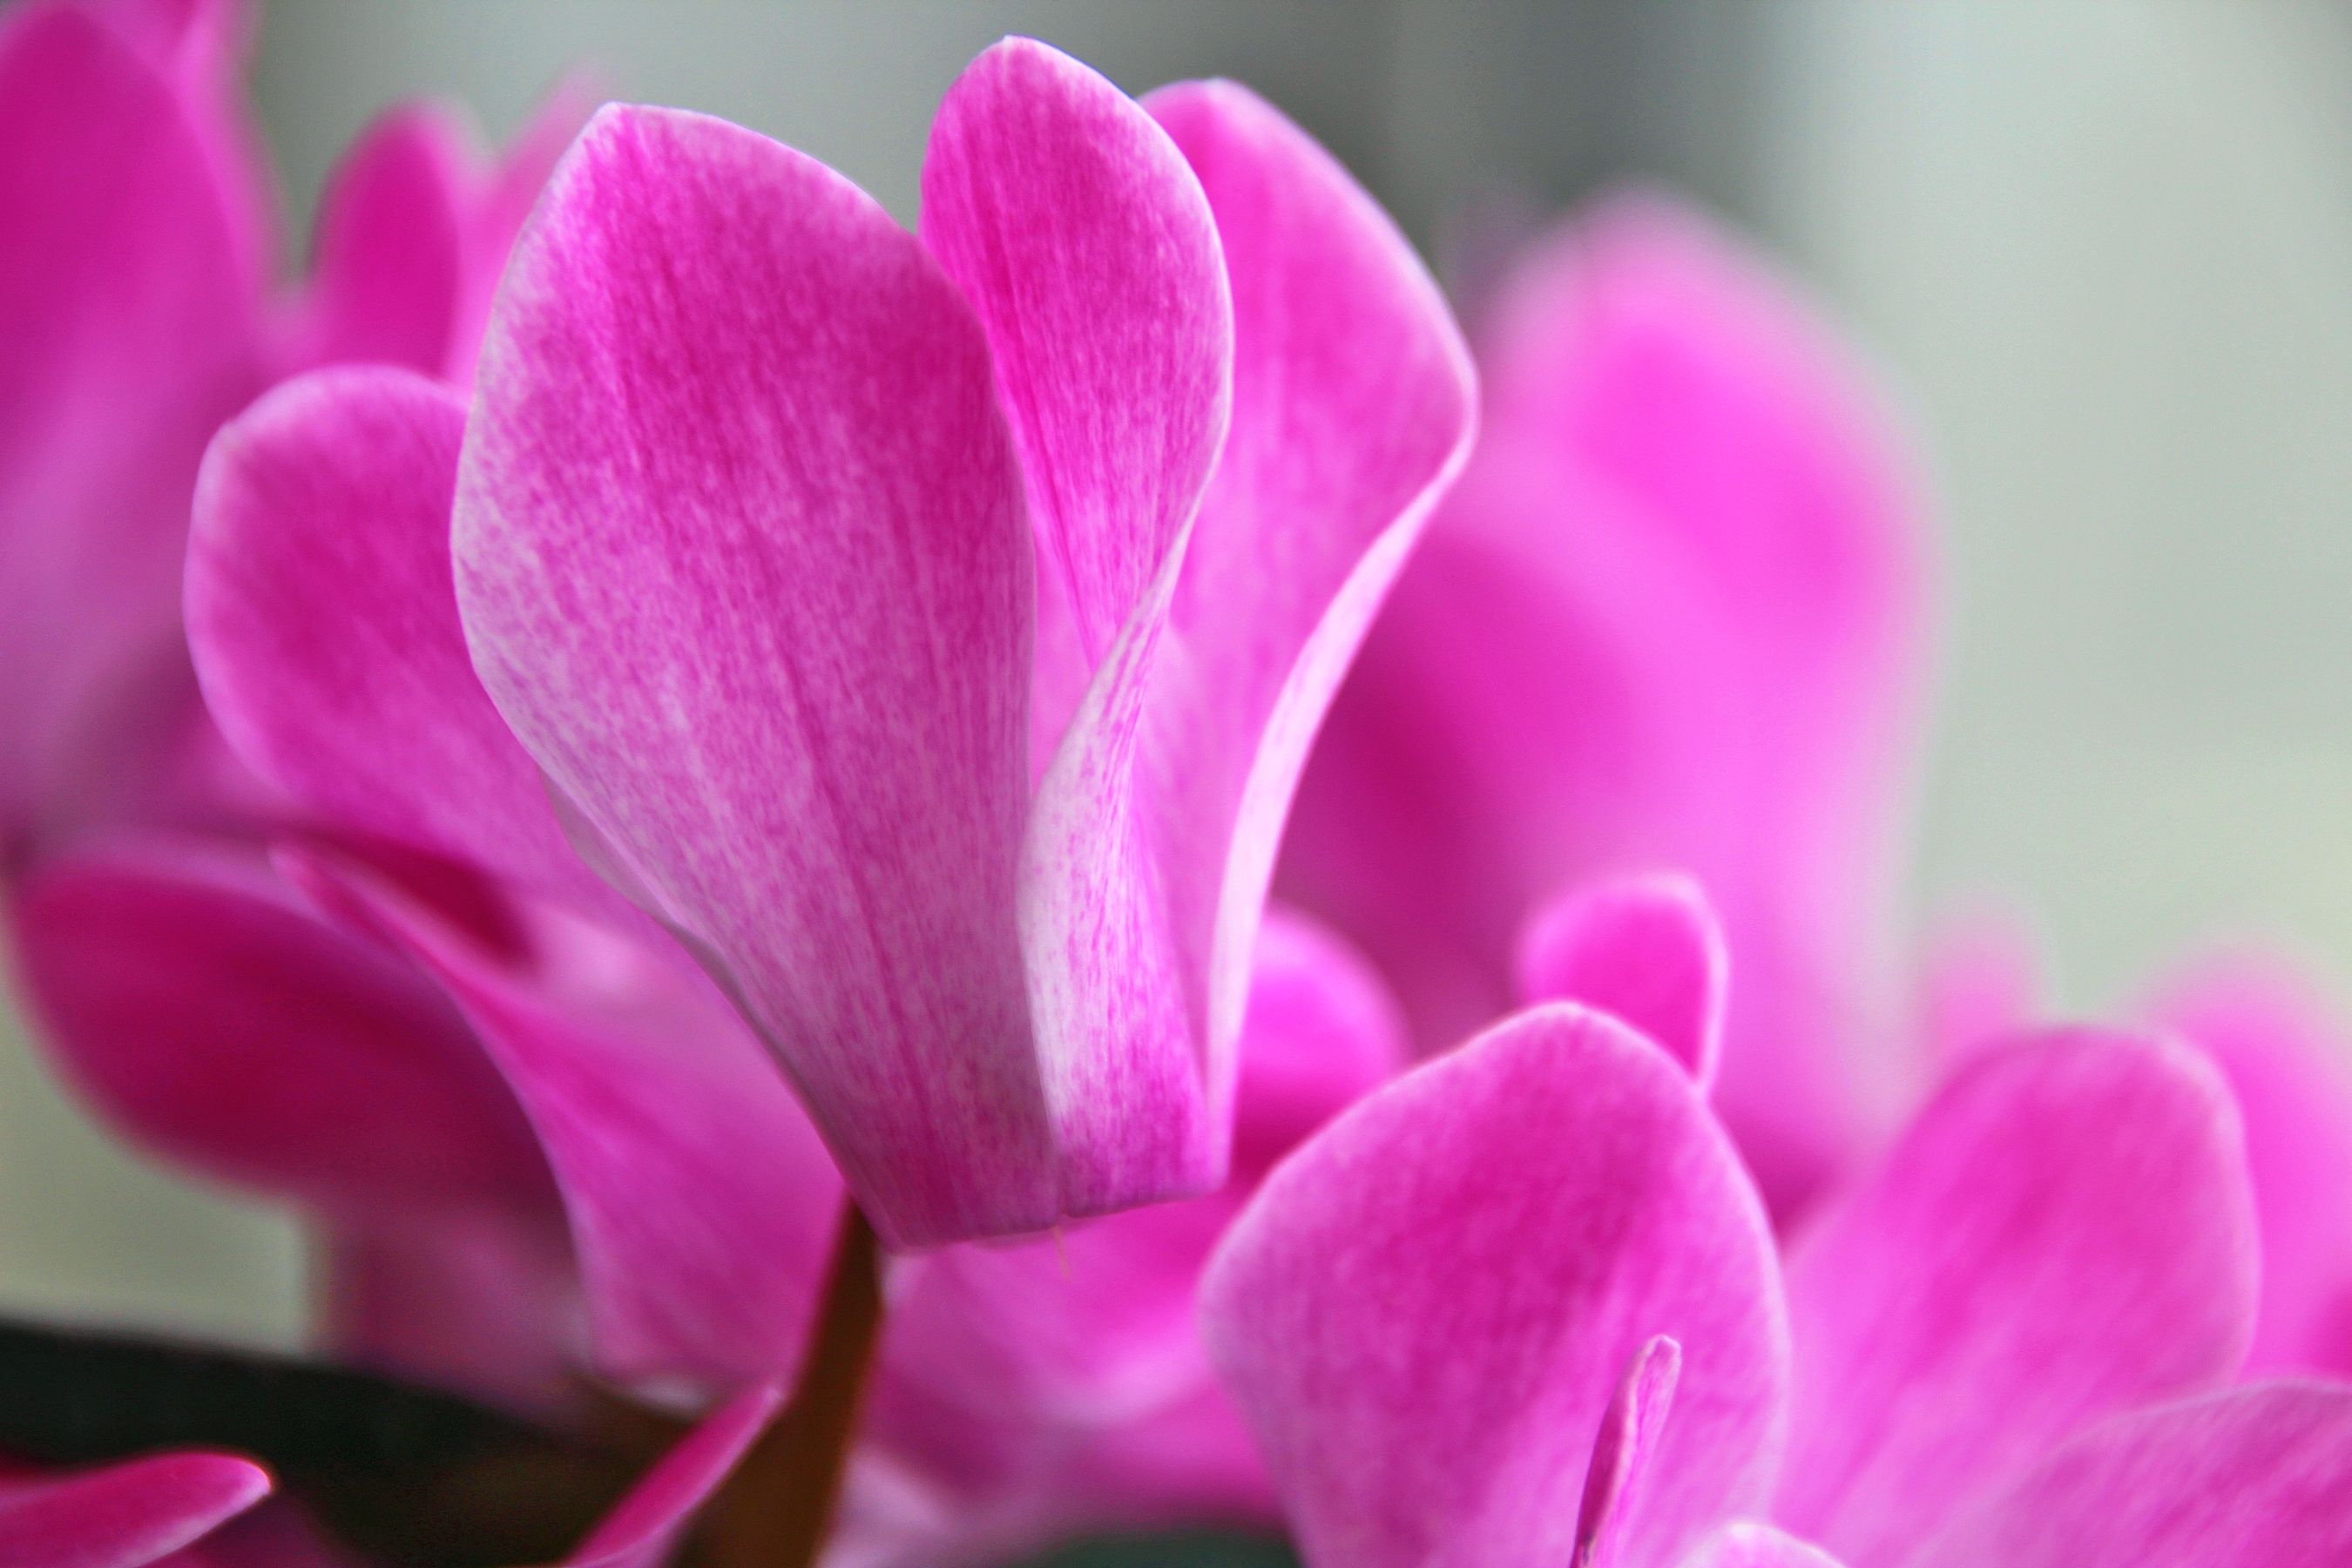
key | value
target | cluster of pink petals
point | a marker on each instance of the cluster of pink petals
(774, 707)
(1524, 1306)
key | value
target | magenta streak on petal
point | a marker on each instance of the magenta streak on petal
(643, 1530)
(324, 626)
(2253, 1478)
(742, 559)
(1623, 1450)
(1352, 409)
(1426, 1311)
(223, 1025)
(1090, 252)
(126, 1515)
(1646, 950)
(701, 1203)
(2065, 1232)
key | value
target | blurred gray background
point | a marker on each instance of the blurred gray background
(2106, 248)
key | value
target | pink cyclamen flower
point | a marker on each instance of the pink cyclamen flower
(927, 631)
(1523, 1306)
(136, 314)
(1670, 617)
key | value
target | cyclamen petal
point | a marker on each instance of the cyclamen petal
(2065, 1232)
(1084, 244)
(1645, 949)
(644, 1528)
(324, 626)
(1354, 406)
(740, 558)
(225, 1024)
(1426, 1311)
(2283, 1052)
(2253, 1478)
(126, 1515)
(389, 254)
(129, 298)
(701, 1205)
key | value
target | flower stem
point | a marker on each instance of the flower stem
(777, 1508)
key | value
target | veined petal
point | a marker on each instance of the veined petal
(1427, 1310)
(2283, 1054)
(1353, 407)
(741, 559)
(2065, 1232)
(1085, 244)
(223, 1025)
(1643, 949)
(324, 626)
(701, 1203)
(2253, 1478)
(126, 1515)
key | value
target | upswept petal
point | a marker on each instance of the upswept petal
(388, 255)
(646, 1526)
(1427, 1310)
(2253, 1478)
(2066, 1231)
(128, 314)
(701, 1204)
(223, 1024)
(741, 559)
(1646, 950)
(1353, 407)
(324, 626)
(126, 1515)
(1086, 246)
(2283, 1050)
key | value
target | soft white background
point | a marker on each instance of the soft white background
(2105, 248)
